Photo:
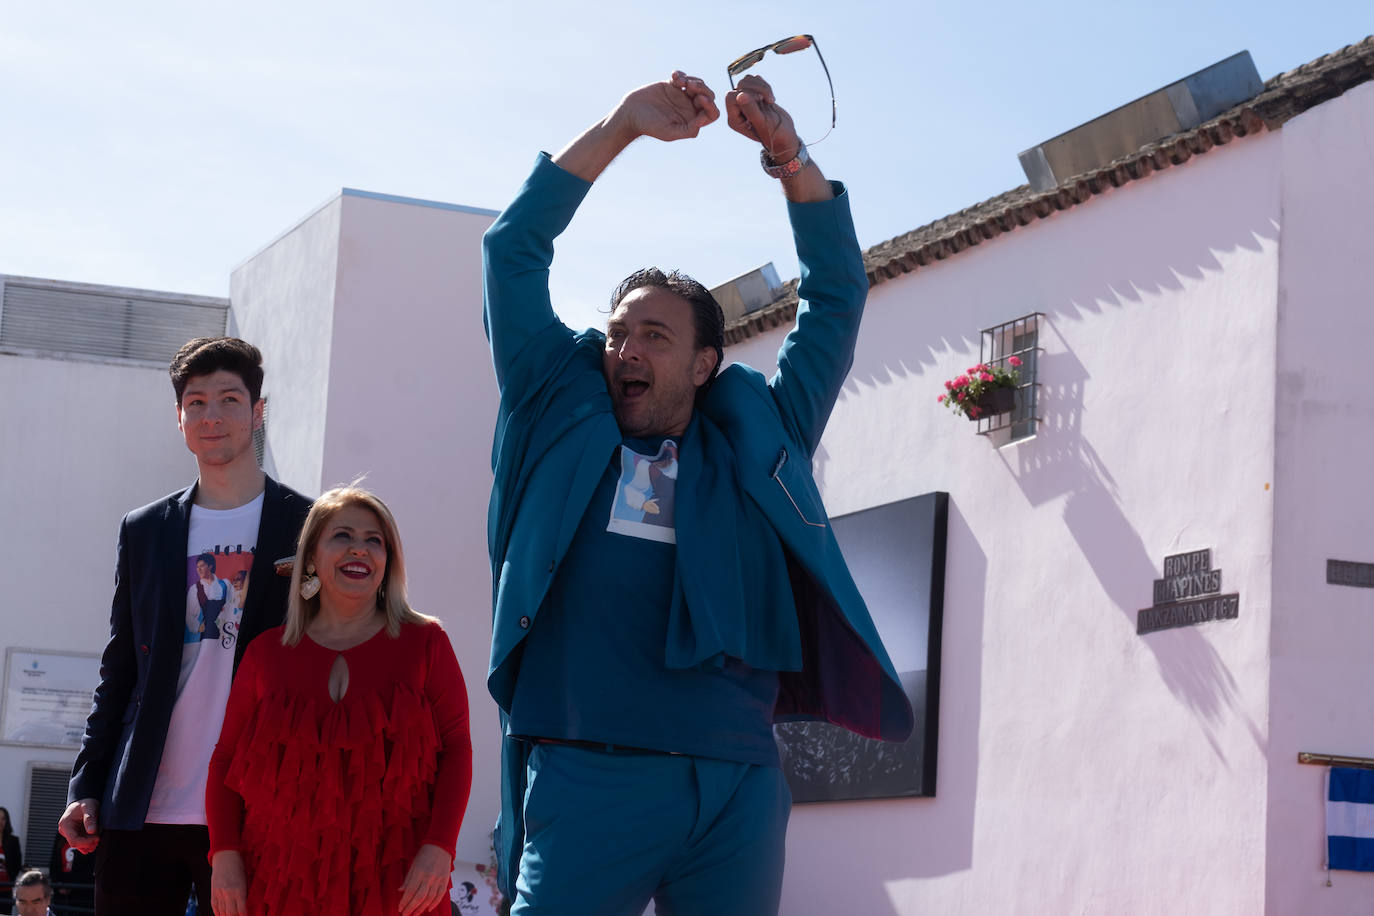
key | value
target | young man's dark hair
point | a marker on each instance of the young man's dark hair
(205, 355)
(707, 318)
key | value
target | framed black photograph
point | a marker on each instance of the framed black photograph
(896, 553)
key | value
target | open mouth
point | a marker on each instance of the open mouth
(633, 388)
(356, 570)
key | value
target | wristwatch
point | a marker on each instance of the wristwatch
(775, 169)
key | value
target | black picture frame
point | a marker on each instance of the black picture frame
(896, 553)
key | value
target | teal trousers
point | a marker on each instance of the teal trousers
(605, 833)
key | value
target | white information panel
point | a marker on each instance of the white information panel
(47, 696)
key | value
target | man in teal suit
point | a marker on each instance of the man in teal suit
(666, 583)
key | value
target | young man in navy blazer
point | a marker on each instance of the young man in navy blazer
(177, 632)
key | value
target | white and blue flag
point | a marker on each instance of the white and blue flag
(1350, 819)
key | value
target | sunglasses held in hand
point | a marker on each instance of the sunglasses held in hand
(786, 46)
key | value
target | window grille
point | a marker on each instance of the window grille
(56, 318)
(1019, 338)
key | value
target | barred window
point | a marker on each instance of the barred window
(1019, 338)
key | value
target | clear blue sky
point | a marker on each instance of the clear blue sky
(159, 144)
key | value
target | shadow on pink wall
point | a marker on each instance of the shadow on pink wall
(890, 840)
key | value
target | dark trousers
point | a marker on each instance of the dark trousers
(152, 871)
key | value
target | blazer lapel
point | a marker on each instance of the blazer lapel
(276, 539)
(172, 555)
(266, 552)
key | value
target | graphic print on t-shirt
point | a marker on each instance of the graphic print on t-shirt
(219, 559)
(643, 503)
(218, 584)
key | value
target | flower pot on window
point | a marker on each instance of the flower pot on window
(992, 402)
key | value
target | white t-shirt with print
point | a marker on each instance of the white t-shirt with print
(219, 560)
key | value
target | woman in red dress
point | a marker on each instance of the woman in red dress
(342, 772)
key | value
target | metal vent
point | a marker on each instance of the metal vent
(1179, 106)
(748, 292)
(72, 319)
(47, 799)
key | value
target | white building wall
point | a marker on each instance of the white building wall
(86, 442)
(283, 303)
(413, 405)
(1082, 768)
(1323, 635)
(369, 315)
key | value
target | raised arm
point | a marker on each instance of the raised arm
(816, 355)
(518, 248)
(675, 109)
(753, 111)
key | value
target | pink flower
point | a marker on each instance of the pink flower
(1014, 361)
(973, 412)
(941, 399)
(948, 385)
(961, 381)
(986, 376)
(959, 395)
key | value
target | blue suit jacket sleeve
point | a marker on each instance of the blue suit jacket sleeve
(517, 250)
(817, 353)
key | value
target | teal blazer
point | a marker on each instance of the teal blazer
(746, 462)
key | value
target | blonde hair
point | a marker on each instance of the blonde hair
(391, 597)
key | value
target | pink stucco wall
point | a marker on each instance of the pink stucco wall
(1322, 696)
(1082, 768)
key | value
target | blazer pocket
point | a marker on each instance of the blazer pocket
(796, 486)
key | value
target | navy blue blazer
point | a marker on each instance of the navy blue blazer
(127, 728)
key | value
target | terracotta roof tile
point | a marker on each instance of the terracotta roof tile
(1284, 96)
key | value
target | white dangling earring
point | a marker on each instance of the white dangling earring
(310, 585)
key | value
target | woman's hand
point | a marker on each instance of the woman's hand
(228, 884)
(425, 882)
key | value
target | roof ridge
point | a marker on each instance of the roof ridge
(1284, 97)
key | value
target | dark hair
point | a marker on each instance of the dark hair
(209, 559)
(9, 823)
(205, 355)
(30, 878)
(708, 319)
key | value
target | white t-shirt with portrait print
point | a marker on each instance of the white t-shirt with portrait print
(219, 560)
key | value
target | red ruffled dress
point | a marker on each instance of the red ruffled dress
(328, 802)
